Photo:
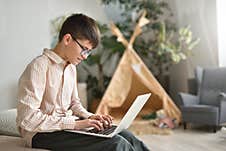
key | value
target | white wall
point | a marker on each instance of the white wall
(221, 24)
(24, 32)
(91, 8)
(201, 15)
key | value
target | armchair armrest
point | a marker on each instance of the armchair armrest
(222, 94)
(188, 99)
(222, 104)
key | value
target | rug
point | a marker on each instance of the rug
(146, 127)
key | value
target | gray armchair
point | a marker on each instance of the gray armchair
(209, 105)
(194, 83)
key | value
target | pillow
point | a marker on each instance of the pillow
(8, 122)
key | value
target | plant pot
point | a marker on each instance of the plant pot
(164, 80)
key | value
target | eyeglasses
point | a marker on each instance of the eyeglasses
(85, 52)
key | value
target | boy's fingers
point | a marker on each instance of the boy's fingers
(97, 124)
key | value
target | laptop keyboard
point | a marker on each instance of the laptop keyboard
(105, 131)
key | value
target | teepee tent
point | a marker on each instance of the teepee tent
(133, 78)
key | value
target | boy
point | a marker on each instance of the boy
(48, 96)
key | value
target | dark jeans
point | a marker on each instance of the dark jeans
(68, 141)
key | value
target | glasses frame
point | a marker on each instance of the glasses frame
(85, 52)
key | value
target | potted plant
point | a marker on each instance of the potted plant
(161, 44)
(169, 48)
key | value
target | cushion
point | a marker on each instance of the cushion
(8, 122)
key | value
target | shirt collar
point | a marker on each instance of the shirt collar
(53, 56)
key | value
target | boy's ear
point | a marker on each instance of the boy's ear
(67, 39)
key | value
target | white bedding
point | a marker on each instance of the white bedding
(12, 143)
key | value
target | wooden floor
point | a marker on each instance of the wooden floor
(186, 140)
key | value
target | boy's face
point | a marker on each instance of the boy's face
(76, 49)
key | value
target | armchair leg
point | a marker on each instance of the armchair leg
(185, 125)
(214, 128)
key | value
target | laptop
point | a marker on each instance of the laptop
(124, 123)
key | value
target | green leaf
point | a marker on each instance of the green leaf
(182, 56)
(162, 33)
(93, 59)
(175, 58)
(193, 44)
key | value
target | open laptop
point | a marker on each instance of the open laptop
(124, 123)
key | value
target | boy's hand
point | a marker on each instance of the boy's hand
(106, 120)
(88, 123)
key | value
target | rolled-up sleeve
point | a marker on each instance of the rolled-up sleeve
(30, 94)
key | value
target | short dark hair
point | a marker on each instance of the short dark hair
(82, 27)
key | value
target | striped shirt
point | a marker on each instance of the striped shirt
(48, 97)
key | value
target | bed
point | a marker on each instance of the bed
(10, 139)
(13, 143)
